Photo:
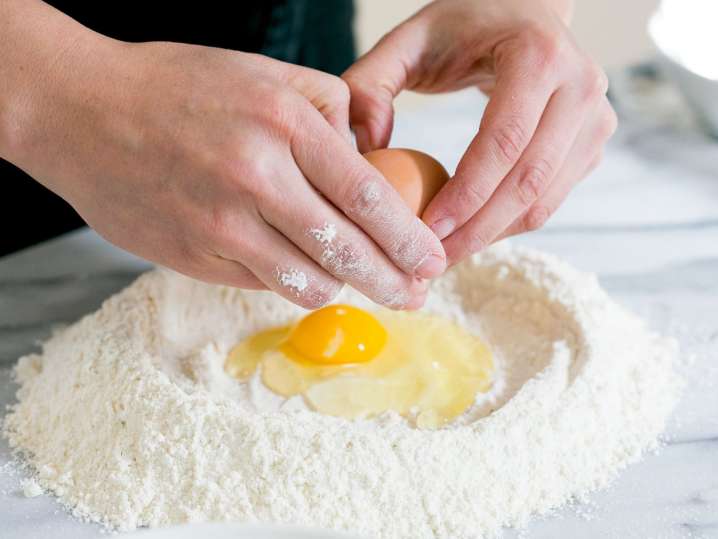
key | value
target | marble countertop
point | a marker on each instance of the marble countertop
(646, 222)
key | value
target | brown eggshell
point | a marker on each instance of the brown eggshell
(416, 176)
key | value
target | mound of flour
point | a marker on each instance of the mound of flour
(128, 417)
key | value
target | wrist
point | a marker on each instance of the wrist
(48, 60)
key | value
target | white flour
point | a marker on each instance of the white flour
(30, 488)
(326, 234)
(128, 417)
(294, 279)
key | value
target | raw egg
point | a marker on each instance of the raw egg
(336, 334)
(350, 363)
(416, 176)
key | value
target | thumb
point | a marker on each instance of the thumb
(374, 81)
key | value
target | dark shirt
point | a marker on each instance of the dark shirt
(314, 33)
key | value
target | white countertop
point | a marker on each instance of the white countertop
(646, 222)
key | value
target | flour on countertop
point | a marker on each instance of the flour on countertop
(30, 488)
(128, 417)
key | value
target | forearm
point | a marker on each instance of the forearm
(44, 55)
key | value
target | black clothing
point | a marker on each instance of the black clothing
(314, 33)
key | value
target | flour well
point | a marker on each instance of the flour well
(128, 417)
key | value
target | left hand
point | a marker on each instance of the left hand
(544, 127)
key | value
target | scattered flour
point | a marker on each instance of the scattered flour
(30, 488)
(342, 259)
(127, 415)
(294, 279)
(326, 234)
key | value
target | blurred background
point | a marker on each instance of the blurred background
(620, 38)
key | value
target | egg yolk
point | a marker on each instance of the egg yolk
(346, 362)
(335, 335)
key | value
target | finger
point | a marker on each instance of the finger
(567, 111)
(280, 266)
(512, 115)
(588, 150)
(344, 177)
(322, 232)
(375, 80)
(539, 214)
(215, 269)
(232, 273)
(327, 93)
(335, 109)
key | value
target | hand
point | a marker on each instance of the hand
(229, 167)
(543, 129)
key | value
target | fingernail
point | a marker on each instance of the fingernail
(443, 227)
(432, 266)
(362, 136)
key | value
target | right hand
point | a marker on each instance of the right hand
(544, 127)
(224, 166)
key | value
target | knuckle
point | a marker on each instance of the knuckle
(536, 217)
(594, 82)
(544, 49)
(370, 97)
(226, 238)
(224, 234)
(477, 239)
(340, 91)
(239, 277)
(534, 181)
(191, 262)
(321, 294)
(334, 100)
(342, 260)
(242, 277)
(239, 170)
(473, 193)
(350, 75)
(361, 87)
(218, 227)
(608, 124)
(408, 249)
(280, 109)
(510, 140)
(363, 197)
(347, 262)
(395, 297)
(250, 176)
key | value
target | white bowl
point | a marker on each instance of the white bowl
(700, 92)
(238, 531)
